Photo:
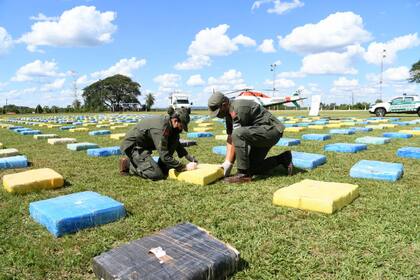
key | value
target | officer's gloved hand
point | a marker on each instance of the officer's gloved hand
(191, 158)
(227, 167)
(191, 166)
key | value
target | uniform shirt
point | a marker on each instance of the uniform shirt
(244, 112)
(156, 133)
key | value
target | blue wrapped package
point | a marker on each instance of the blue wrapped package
(373, 140)
(342, 131)
(345, 147)
(377, 170)
(220, 150)
(104, 152)
(13, 162)
(100, 132)
(307, 160)
(302, 124)
(30, 132)
(199, 134)
(362, 129)
(73, 212)
(316, 137)
(67, 127)
(409, 152)
(82, 146)
(14, 127)
(397, 135)
(416, 128)
(288, 142)
(19, 130)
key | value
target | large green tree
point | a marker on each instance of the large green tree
(150, 100)
(415, 73)
(109, 93)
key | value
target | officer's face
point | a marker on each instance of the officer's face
(177, 124)
(224, 109)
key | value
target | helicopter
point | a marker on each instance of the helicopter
(265, 100)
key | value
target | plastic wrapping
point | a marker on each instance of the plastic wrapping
(377, 170)
(82, 146)
(345, 147)
(409, 152)
(73, 212)
(307, 160)
(104, 152)
(13, 162)
(187, 252)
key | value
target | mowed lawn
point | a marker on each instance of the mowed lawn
(375, 237)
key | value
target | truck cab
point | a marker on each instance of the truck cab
(409, 104)
(180, 100)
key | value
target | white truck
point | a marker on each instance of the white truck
(180, 100)
(409, 104)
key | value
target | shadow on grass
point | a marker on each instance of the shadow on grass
(279, 172)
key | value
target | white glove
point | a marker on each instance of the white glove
(227, 167)
(191, 166)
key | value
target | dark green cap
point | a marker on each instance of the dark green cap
(215, 102)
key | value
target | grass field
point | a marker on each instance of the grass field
(375, 237)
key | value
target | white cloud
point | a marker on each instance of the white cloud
(125, 66)
(6, 41)
(374, 52)
(37, 69)
(291, 74)
(55, 85)
(267, 46)
(230, 80)
(193, 62)
(244, 41)
(331, 62)
(390, 75)
(42, 17)
(280, 7)
(212, 42)
(334, 32)
(343, 82)
(167, 82)
(195, 80)
(80, 26)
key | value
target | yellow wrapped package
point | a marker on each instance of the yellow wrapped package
(205, 124)
(221, 137)
(118, 126)
(8, 152)
(374, 126)
(414, 132)
(202, 129)
(79, 129)
(32, 180)
(334, 125)
(1, 145)
(316, 126)
(319, 196)
(294, 129)
(117, 136)
(58, 141)
(388, 125)
(204, 174)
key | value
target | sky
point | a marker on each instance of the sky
(330, 48)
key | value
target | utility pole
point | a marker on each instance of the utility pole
(383, 55)
(273, 69)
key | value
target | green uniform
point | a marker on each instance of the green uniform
(155, 133)
(254, 131)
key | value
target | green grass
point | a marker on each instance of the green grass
(375, 237)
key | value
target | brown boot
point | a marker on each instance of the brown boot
(238, 178)
(124, 166)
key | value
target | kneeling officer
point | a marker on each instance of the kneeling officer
(159, 133)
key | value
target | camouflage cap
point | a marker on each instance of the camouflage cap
(215, 102)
